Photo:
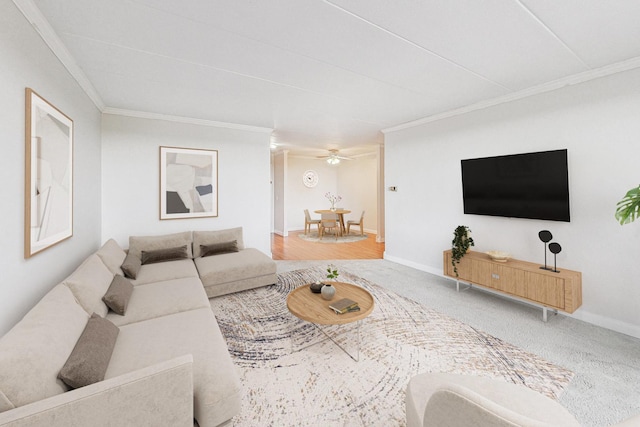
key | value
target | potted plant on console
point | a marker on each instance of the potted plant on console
(460, 245)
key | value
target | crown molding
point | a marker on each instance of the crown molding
(583, 77)
(180, 119)
(46, 32)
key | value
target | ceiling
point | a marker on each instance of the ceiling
(332, 74)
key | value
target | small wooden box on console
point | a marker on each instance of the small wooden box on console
(560, 290)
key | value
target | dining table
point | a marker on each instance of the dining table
(338, 211)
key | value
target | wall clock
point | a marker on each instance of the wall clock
(310, 178)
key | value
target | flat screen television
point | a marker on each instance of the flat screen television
(530, 185)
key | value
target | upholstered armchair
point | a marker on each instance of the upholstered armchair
(308, 222)
(451, 400)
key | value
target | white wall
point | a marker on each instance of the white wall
(354, 180)
(598, 122)
(358, 186)
(28, 62)
(130, 191)
(279, 172)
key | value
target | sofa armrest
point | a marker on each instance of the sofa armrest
(160, 394)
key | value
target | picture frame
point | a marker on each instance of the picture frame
(188, 183)
(48, 175)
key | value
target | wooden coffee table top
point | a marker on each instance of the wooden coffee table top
(311, 307)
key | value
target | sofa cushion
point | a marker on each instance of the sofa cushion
(34, 350)
(118, 294)
(137, 244)
(90, 357)
(164, 255)
(219, 248)
(226, 268)
(89, 283)
(216, 383)
(131, 266)
(216, 236)
(112, 255)
(162, 271)
(162, 298)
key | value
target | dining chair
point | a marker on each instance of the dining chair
(308, 222)
(329, 221)
(360, 222)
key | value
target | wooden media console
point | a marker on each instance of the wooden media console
(561, 290)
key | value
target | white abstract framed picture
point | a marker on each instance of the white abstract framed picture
(188, 183)
(48, 175)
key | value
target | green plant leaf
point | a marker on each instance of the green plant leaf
(628, 209)
(461, 242)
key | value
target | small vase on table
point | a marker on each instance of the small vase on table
(328, 292)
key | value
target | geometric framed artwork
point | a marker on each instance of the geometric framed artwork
(48, 175)
(188, 183)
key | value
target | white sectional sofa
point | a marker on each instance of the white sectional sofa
(169, 362)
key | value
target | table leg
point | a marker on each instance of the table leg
(355, 358)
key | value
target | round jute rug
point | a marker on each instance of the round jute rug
(330, 238)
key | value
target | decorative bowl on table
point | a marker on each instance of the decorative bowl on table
(499, 256)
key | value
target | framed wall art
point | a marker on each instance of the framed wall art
(188, 183)
(48, 175)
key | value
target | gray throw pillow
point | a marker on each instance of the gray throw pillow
(219, 248)
(90, 357)
(118, 294)
(131, 266)
(163, 255)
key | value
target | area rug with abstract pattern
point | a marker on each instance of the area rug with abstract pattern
(322, 385)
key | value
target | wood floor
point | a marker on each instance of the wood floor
(294, 248)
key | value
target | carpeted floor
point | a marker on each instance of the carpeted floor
(606, 386)
(321, 385)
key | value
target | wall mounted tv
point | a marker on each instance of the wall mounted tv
(530, 185)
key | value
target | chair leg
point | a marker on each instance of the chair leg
(361, 228)
(348, 228)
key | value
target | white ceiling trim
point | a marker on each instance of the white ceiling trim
(586, 76)
(187, 120)
(43, 28)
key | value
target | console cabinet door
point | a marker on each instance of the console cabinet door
(545, 289)
(464, 268)
(481, 273)
(509, 280)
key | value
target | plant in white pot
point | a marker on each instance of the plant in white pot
(328, 291)
(460, 245)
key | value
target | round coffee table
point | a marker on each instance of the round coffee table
(311, 307)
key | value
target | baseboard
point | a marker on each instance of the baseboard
(580, 314)
(608, 323)
(421, 267)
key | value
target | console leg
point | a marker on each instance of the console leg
(545, 311)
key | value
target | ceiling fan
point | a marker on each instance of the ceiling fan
(333, 158)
